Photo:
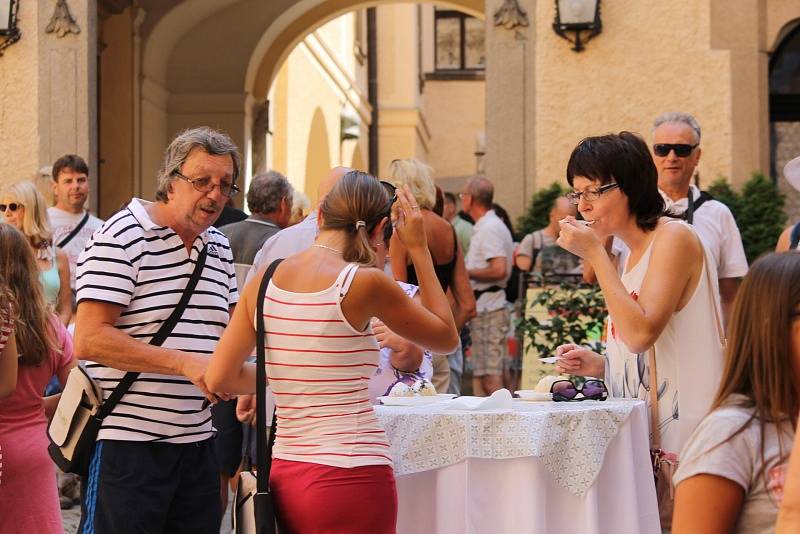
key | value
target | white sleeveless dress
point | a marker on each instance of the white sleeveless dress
(688, 357)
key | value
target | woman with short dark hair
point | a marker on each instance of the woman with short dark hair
(665, 305)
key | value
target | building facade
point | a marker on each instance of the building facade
(116, 79)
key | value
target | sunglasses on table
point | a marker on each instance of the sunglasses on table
(11, 206)
(592, 389)
(681, 150)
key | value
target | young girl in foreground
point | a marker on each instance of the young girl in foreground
(332, 471)
(732, 469)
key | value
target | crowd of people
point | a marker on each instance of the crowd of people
(382, 282)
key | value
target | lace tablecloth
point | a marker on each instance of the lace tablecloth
(569, 438)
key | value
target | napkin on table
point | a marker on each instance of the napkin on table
(499, 400)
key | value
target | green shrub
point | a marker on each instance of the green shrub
(537, 215)
(758, 211)
(721, 190)
(761, 217)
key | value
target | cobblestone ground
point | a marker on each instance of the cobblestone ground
(71, 518)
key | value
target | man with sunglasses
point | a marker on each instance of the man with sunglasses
(676, 152)
(153, 468)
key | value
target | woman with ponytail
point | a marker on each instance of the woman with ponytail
(332, 471)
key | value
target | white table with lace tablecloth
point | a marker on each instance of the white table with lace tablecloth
(550, 467)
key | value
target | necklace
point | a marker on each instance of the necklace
(326, 248)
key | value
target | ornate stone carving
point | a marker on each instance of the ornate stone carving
(510, 15)
(62, 22)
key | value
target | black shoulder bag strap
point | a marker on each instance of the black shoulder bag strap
(161, 336)
(63, 243)
(263, 446)
(693, 206)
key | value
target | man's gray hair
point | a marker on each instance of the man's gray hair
(266, 192)
(210, 141)
(481, 190)
(679, 117)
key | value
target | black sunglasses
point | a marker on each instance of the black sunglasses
(11, 206)
(682, 151)
(387, 210)
(592, 389)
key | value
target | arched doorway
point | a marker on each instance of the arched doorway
(784, 104)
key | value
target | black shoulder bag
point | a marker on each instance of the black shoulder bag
(255, 510)
(80, 412)
(63, 243)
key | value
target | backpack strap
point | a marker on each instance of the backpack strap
(694, 205)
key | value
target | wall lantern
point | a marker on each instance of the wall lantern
(8, 23)
(580, 17)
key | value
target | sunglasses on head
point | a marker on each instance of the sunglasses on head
(592, 389)
(681, 150)
(11, 206)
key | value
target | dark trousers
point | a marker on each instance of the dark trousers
(143, 488)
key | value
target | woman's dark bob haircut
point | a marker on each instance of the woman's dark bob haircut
(625, 159)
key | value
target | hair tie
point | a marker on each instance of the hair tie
(360, 224)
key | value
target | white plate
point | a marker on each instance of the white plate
(415, 400)
(534, 396)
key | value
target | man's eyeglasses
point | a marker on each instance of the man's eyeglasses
(11, 206)
(681, 150)
(206, 185)
(592, 389)
(590, 195)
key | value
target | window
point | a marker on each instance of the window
(459, 41)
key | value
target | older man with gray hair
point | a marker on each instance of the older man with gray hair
(269, 200)
(676, 152)
(153, 467)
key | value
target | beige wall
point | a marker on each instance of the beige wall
(454, 111)
(627, 76)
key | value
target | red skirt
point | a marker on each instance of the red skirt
(315, 499)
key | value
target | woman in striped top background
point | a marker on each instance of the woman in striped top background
(332, 472)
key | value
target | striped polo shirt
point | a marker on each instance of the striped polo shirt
(319, 369)
(143, 267)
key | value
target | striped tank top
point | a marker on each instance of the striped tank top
(319, 367)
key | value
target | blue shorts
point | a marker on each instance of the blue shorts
(154, 488)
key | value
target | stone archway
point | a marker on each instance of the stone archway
(784, 89)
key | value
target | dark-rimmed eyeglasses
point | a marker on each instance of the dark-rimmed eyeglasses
(592, 389)
(11, 206)
(681, 150)
(206, 185)
(590, 195)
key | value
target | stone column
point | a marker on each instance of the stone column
(48, 90)
(510, 93)
(67, 85)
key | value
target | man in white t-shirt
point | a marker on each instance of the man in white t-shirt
(488, 265)
(71, 223)
(676, 151)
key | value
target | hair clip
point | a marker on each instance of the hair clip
(360, 224)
